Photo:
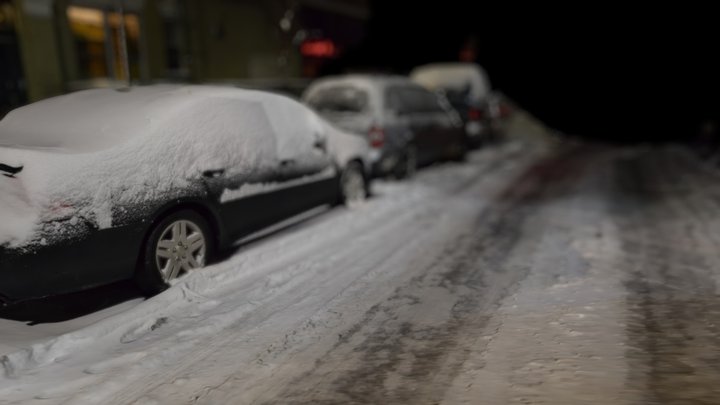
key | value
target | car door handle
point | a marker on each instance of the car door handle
(287, 162)
(213, 173)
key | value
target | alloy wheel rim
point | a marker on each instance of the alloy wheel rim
(180, 249)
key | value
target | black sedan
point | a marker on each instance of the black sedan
(105, 185)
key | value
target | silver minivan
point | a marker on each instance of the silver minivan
(406, 125)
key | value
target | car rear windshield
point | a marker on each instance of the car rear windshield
(341, 99)
(80, 122)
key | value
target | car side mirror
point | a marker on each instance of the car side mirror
(320, 143)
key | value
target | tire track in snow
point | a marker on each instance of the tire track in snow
(387, 217)
(674, 328)
(381, 264)
(390, 343)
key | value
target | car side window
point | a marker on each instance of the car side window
(394, 101)
(409, 100)
(428, 102)
(413, 100)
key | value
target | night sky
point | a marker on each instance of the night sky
(608, 72)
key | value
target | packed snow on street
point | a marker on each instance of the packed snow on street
(538, 271)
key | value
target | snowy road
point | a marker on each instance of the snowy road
(536, 272)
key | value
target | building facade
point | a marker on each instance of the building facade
(50, 47)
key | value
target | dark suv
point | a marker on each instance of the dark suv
(467, 87)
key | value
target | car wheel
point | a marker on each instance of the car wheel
(408, 165)
(180, 243)
(353, 184)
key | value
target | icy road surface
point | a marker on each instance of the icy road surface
(534, 273)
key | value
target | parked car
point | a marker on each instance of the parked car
(405, 124)
(104, 185)
(467, 87)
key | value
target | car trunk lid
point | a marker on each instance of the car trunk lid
(18, 215)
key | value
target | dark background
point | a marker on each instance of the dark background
(610, 72)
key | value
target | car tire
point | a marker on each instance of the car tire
(354, 187)
(179, 243)
(407, 167)
(461, 151)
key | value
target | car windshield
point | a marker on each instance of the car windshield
(343, 99)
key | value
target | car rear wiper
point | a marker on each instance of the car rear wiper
(9, 171)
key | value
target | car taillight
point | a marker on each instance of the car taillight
(475, 114)
(376, 135)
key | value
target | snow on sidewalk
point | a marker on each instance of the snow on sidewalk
(560, 338)
(262, 279)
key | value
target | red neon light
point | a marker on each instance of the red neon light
(320, 48)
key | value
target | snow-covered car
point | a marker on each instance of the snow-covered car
(405, 124)
(104, 185)
(467, 87)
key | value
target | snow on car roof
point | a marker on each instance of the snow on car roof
(374, 84)
(99, 118)
(362, 80)
(453, 76)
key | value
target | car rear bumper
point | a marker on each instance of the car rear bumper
(100, 257)
(386, 161)
(479, 132)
